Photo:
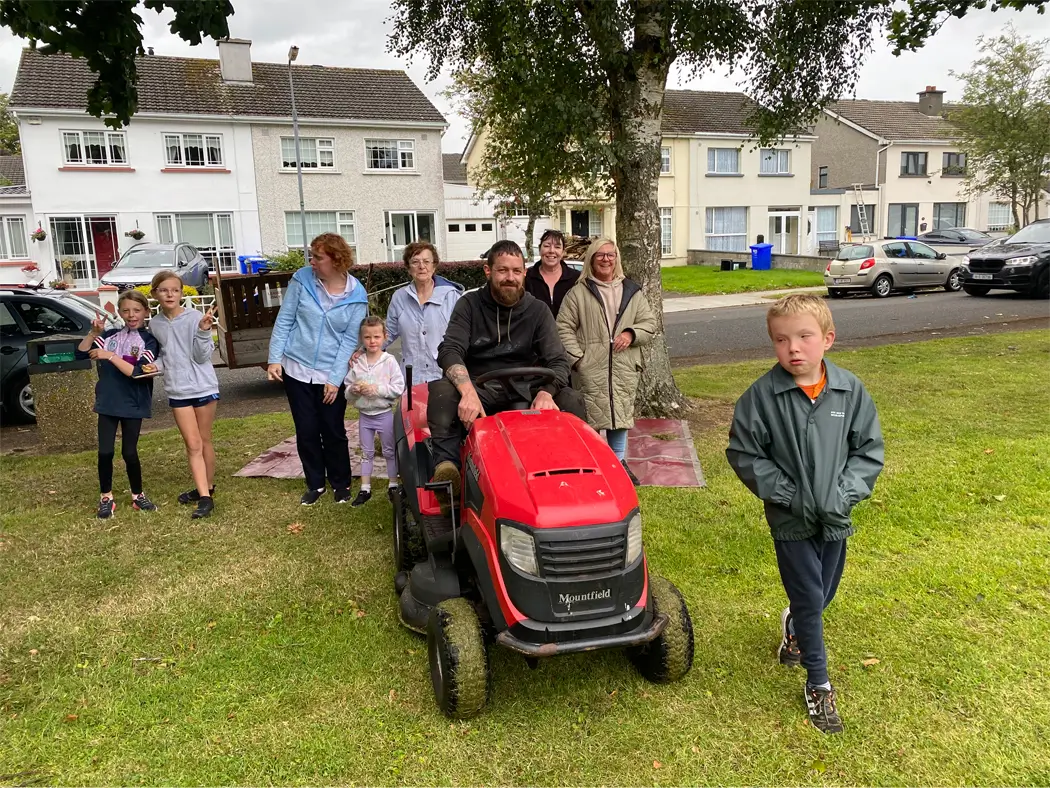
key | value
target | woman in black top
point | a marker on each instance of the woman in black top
(550, 278)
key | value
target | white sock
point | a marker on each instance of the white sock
(825, 686)
(393, 485)
(366, 487)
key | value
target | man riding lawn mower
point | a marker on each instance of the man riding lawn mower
(539, 549)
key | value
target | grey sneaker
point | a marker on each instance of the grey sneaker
(788, 652)
(106, 507)
(823, 710)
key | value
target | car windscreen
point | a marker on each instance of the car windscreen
(148, 258)
(857, 252)
(1032, 234)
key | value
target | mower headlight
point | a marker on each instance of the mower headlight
(634, 538)
(519, 548)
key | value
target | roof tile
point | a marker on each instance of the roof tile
(895, 120)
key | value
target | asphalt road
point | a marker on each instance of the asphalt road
(703, 337)
(739, 333)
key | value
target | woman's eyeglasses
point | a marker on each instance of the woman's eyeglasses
(605, 256)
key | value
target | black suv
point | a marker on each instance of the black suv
(24, 315)
(1021, 262)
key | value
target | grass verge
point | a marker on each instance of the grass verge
(709, 280)
(262, 645)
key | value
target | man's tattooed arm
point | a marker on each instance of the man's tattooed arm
(457, 373)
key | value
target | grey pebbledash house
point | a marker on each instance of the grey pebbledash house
(209, 159)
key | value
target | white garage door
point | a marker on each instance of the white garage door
(468, 239)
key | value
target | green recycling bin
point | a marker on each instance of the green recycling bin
(63, 393)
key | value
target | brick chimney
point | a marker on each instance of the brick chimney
(931, 101)
(235, 61)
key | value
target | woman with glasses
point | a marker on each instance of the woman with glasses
(603, 321)
(419, 312)
(551, 278)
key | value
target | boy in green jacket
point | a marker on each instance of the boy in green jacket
(806, 440)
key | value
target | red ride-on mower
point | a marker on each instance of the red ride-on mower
(541, 553)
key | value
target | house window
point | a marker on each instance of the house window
(827, 229)
(904, 219)
(210, 233)
(594, 223)
(13, 238)
(953, 164)
(515, 209)
(193, 150)
(775, 162)
(318, 153)
(822, 177)
(913, 164)
(723, 161)
(999, 216)
(94, 148)
(665, 231)
(665, 161)
(453, 228)
(854, 218)
(947, 215)
(390, 154)
(317, 222)
(726, 229)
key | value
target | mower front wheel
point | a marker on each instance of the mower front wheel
(459, 662)
(670, 656)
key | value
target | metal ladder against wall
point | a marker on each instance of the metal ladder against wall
(862, 214)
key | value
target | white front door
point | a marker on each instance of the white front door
(783, 232)
(404, 227)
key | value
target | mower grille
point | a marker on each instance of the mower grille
(583, 558)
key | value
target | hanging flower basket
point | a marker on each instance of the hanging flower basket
(33, 273)
(39, 234)
(137, 234)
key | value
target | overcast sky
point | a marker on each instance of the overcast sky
(355, 34)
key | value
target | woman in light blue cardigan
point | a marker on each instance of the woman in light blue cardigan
(315, 334)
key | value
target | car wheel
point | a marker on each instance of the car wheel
(670, 656)
(976, 290)
(836, 292)
(1041, 288)
(20, 402)
(882, 286)
(953, 284)
(459, 661)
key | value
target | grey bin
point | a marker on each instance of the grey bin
(63, 393)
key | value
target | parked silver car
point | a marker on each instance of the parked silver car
(142, 262)
(881, 267)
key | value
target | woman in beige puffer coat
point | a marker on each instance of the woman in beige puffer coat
(603, 321)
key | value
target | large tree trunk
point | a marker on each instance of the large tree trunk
(637, 97)
(530, 228)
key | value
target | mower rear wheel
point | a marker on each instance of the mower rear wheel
(670, 656)
(408, 545)
(459, 661)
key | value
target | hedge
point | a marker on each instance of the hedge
(381, 280)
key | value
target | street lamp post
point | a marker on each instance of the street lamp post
(293, 53)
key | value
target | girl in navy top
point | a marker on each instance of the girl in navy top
(121, 399)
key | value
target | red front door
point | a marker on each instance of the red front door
(104, 241)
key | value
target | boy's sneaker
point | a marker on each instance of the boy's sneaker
(205, 506)
(143, 504)
(341, 496)
(788, 652)
(823, 710)
(363, 497)
(106, 507)
(192, 496)
(310, 497)
(630, 473)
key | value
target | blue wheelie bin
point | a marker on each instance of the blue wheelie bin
(761, 257)
(253, 263)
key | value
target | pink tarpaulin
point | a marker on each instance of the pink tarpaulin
(659, 451)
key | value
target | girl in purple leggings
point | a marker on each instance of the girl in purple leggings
(372, 384)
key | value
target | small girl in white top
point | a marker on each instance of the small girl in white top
(376, 380)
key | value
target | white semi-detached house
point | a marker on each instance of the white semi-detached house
(205, 161)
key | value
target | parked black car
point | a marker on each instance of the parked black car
(956, 236)
(1021, 263)
(25, 315)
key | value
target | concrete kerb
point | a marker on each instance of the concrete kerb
(693, 303)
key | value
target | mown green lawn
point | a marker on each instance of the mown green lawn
(155, 650)
(709, 280)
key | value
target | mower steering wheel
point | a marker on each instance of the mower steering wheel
(503, 375)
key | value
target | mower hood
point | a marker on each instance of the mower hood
(548, 469)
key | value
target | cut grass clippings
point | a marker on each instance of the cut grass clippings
(262, 646)
(711, 280)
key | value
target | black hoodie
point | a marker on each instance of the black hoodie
(535, 284)
(483, 335)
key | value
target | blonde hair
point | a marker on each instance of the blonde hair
(371, 321)
(592, 250)
(802, 304)
(133, 295)
(163, 276)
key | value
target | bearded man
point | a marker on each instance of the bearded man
(498, 326)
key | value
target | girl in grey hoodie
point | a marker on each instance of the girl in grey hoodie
(189, 378)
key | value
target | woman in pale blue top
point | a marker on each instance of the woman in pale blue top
(419, 312)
